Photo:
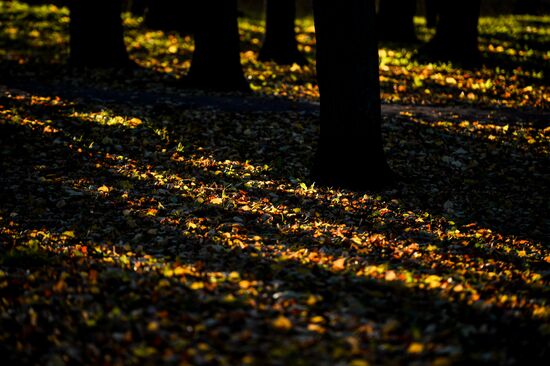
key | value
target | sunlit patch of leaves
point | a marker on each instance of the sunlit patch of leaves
(514, 75)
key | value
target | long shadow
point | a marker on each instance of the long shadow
(204, 139)
(374, 302)
(93, 214)
(496, 183)
(365, 300)
(407, 307)
(382, 318)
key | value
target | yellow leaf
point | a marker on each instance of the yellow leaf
(390, 276)
(134, 122)
(358, 362)
(178, 271)
(244, 284)
(196, 286)
(458, 288)
(415, 347)
(234, 276)
(104, 189)
(317, 319)
(68, 234)
(433, 281)
(164, 283)
(339, 264)
(316, 328)
(153, 326)
(451, 81)
(216, 201)
(168, 272)
(312, 300)
(282, 323)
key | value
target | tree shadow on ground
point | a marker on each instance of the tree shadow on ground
(482, 189)
(383, 317)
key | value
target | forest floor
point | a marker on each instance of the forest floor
(144, 224)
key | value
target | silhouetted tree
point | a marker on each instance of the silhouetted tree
(96, 34)
(456, 37)
(350, 152)
(396, 20)
(527, 6)
(216, 62)
(136, 7)
(431, 12)
(170, 15)
(280, 43)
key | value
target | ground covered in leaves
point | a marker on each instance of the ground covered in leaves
(144, 224)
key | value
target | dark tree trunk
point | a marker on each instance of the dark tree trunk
(137, 7)
(280, 43)
(396, 20)
(216, 62)
(456, 37)
(350, 152)
(527, 6)
(171, 15)
(96, 34)
(432, 12)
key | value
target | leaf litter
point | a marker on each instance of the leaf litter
(148, 234)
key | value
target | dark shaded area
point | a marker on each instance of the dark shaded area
(396, 21)
(96, 35)
(170, 15)
(350, 152)
(280, 43)
(476, 332)
(493, 181)
(431, 12)
(216, 63)
(456, 37)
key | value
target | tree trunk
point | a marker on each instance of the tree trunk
(350, 152)
(216, 62)
(456, 37)
(432, 11)
(396, 20)
(136, 7)
(527, 7)
(96, 34)
(170, 15)
(280, 43)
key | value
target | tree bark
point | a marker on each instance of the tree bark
(350, 152)
(396, 20)
(456, 37)
(170, 15)
(527, 7)
(216, 62)
(280, 43)
(96, 34)
(432, 11)
(137, 7)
